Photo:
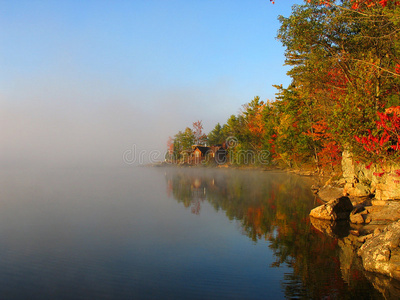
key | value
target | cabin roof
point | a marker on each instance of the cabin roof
(202, 149)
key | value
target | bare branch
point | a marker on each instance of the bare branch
(378, 67)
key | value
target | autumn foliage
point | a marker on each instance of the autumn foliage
(344, 59)
(357, 4)
(384, 143)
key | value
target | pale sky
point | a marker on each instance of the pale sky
(81, 82)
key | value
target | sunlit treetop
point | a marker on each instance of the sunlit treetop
(359, 3)
(356, 4)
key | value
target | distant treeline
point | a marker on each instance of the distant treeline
(344, 94)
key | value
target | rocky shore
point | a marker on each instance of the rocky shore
(367, 228)
(362, 209)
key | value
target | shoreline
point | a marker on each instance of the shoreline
(369, 227)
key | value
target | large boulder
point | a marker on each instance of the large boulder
(381, 253)
(338, 209)
(329, 193)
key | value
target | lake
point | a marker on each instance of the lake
(167, 233)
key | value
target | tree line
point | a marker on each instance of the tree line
(344, 94)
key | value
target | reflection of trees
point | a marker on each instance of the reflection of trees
(274, 206)
(259, 204)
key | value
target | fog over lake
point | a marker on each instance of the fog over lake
(151, 233)
(84, 83)
(60, 132)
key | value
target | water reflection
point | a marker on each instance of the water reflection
(275, 206)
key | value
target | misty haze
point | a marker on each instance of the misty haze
(165, 150)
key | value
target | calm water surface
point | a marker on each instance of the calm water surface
(166, 233)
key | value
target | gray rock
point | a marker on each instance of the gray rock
(363, 238)
(356, 219)
(338, 209)
(361, 190)
(365, 179)
(381, 253)
(329, 193)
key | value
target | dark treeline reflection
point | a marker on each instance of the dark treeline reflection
(275, 206)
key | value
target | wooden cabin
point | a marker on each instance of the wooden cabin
(201, 153)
